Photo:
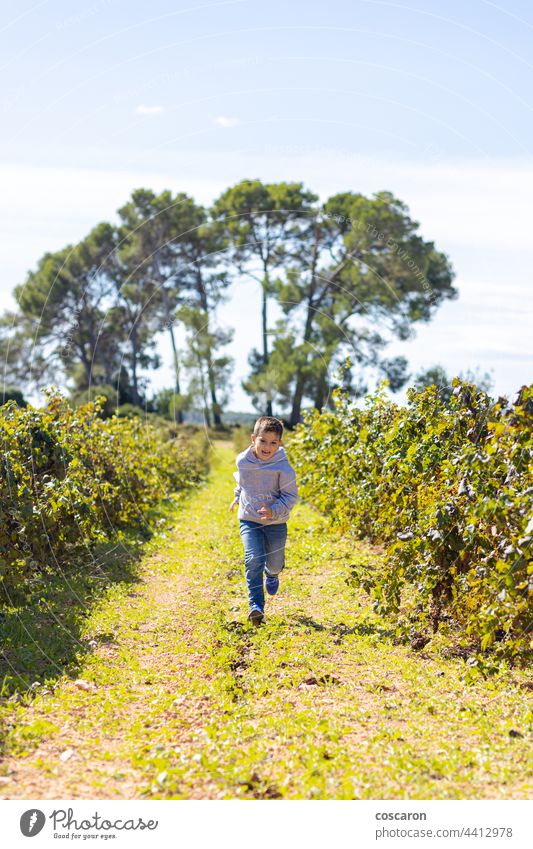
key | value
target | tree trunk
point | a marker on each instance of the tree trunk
(268, 411)
(134, 354)
(96, 351)
(106, 365)
(87, 365)
(203, 390)
(311, 309)
(99, 356)
(300, 379)
(215, 406)
(297, 399)
(170, 326)
(320, 397)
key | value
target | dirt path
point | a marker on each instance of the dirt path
(181, 698)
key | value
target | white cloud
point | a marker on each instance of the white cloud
(148, 110)
(226, 122)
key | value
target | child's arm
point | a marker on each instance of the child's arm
(236, 492)
(281, 507)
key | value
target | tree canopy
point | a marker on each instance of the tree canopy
(346, 276)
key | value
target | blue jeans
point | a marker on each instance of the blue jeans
(264, 551)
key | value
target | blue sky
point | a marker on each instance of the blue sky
(430, 100)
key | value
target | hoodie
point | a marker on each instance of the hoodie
(270, 482)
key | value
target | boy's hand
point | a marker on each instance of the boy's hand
(233, 504)
(267, 513)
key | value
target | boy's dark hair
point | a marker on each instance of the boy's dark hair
(265, 423)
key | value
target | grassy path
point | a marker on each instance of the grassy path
(182, 699)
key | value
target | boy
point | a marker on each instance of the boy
(266, 492)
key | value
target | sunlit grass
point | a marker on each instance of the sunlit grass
(321, 702)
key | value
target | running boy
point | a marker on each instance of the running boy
(266, 492)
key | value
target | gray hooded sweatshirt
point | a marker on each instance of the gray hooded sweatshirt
(270, 482)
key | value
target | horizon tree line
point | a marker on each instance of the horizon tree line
(348, 275)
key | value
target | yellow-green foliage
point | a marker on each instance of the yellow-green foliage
(70, 478)
(241, 437)
(449, 491)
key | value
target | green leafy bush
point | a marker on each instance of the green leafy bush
(448, 490)
(241, 437)
(70, 478)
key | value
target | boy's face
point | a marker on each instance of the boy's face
(266, 443)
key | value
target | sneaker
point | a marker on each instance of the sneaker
(256, 616)
(272, 584)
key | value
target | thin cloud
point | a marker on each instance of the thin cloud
(148, 110)
(226, 122)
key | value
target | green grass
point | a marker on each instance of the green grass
(190, 701)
